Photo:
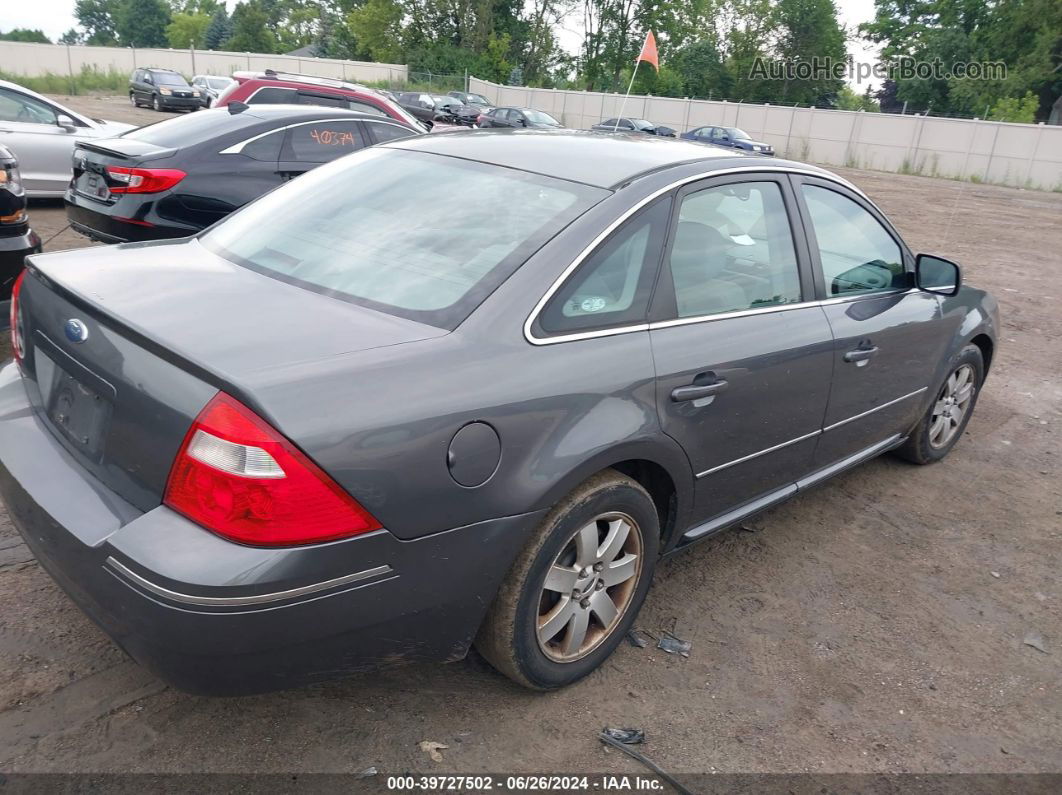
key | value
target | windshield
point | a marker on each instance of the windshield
(476, 99)
(189, 129)
(739, 134)
(642, 124)
(218, 82)
(168, 79)
(538, 117)
(344, 230)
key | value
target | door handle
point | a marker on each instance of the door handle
(861, 354)
(696, 392)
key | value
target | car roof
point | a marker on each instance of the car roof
(159, 69)
(601, 159)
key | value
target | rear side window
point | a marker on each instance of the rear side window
(266, 148)
(354, 230)
(613, 286)
(273, 96)
(856, 254)
(733, 250)
(322, 141)
(364, 107)
(382, 132)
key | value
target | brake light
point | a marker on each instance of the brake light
(143, 180)
(17, 340)
(240, 478)
(481, 118)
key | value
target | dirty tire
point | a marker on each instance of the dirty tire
(508, 636)
(132, 100)
(156, 104)
(918, 449)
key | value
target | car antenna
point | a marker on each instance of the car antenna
(237, 107)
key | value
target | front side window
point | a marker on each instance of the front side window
(857, 255)
(733, 251)
(613, 286)
(323, 141)
(21, 108)
(344, 229)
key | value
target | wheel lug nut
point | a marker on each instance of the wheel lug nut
(599, 585)
(584, 604)
(599, 566)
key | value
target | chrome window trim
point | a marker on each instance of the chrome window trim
(751, 456)
(868, 412)
(630, 211)
(241, 601)
(237, 148)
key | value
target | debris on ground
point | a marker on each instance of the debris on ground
(432, 748)
(1034, 639)
(639, 638)
(625, 736)
(607, 739)
(748, 528)
(994, 574)
(367, 772)
(674, 645)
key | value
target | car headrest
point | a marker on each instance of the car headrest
(698, 247)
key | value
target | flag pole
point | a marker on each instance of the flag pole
(623, 107)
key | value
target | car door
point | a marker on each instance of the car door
(309, 144)
(743, 353)
(29, 127)
(889, 335)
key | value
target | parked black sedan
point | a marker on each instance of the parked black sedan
(16, 238)
(731, 137)
(625, 124)
(354, 424)
(176, 177)
(517, 118)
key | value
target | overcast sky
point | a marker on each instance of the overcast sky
(55, 17)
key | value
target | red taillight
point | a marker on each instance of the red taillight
(143, 180)
(238, 477)
(16, 318)
(481, 118)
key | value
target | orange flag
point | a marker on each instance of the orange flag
(648, 52)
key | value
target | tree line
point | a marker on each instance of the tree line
(708, 48)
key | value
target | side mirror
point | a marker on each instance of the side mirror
(522, 122)
(64, 121)
(937, 275)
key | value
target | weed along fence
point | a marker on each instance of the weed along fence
(1021, 155)
(40, 60)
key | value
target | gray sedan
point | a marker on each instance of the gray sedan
(351, 425)
(42, 134)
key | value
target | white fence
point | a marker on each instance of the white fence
(1023, 155)
(36, 60)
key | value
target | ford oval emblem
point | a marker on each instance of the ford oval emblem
(75, 330)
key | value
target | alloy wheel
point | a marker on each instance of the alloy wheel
(589, 586)
(952, 404)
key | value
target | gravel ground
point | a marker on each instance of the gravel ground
(873, 625)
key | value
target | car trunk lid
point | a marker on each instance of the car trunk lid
(125, 345)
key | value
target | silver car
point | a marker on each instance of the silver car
(211, 87)
(42, 134)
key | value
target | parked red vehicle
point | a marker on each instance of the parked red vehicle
(288, 88)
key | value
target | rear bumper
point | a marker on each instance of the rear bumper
(214, 617)
(95, 221)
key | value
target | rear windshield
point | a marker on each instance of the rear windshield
(191, 128)
(374, 229)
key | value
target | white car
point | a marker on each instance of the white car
(42, 134)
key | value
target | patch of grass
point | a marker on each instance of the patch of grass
(976, 179)
(89, 81)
